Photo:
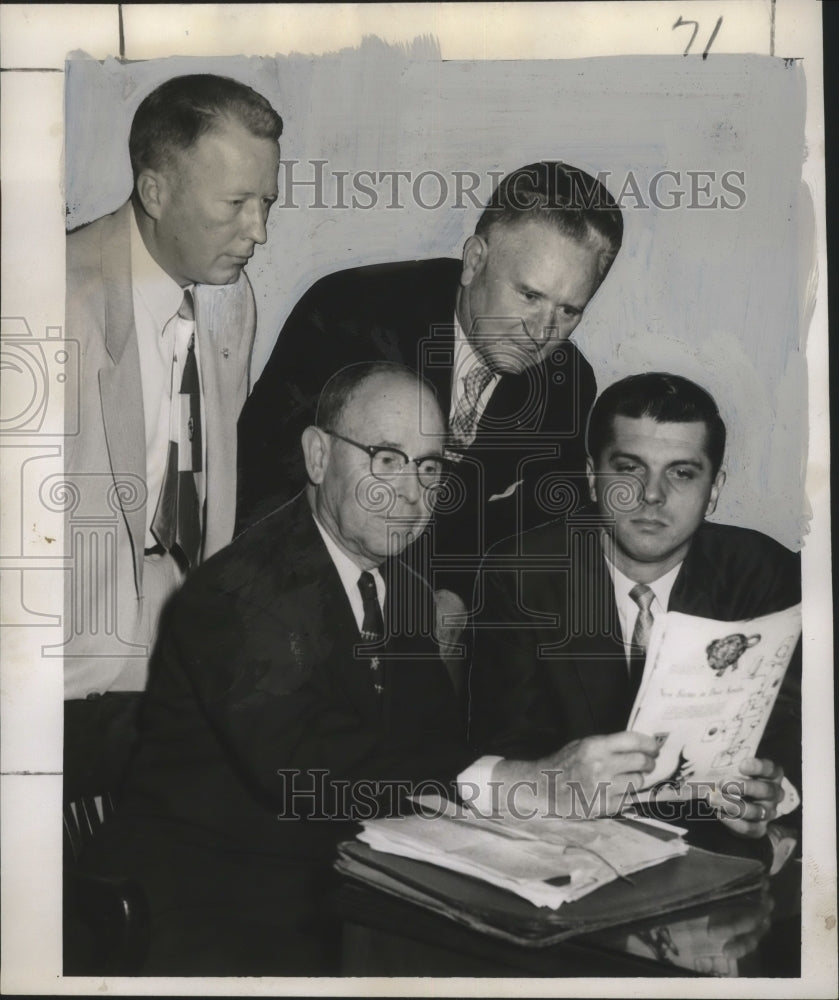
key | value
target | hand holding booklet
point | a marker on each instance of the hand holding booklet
(706, 695)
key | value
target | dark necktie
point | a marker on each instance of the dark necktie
(643, 597)
(177, 520)
(464, 422)
(373, 626)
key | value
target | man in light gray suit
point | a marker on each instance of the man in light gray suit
(165, 317)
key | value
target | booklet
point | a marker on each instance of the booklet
(706, 695)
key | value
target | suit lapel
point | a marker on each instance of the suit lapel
(436, 360)
(430, 346)
(598, 653)
(309, 600)
(516, 407)
(119, 384)
(700, 585)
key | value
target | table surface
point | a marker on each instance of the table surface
(754, 934)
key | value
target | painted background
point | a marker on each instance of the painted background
(714, 282)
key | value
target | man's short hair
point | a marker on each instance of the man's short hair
(664, 397)
(175, 114)
(575, 203)
(338, 391)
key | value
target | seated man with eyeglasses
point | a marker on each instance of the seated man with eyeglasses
(295, 690)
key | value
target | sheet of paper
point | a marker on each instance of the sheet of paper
(526, 858)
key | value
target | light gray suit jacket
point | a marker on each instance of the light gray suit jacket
(114, 594)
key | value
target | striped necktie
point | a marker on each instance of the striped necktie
(643, 597)
(177, 523)
(464, 422)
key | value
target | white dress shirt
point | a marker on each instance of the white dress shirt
(628, 609)
(477, 776)
(157, 298)
(349, 573)
(474, 783)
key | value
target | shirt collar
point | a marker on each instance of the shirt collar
(161, 294)
(661, 587)
(466, 357)
(348, 571)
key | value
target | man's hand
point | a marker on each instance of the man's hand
(748, 806)
(586, 778)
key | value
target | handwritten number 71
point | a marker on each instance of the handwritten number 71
(682, 23)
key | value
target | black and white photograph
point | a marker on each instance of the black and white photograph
(415, 548)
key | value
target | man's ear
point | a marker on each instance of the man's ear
(475, 252)
(719, 482)
(315, 453)
(590, 475)
(151, 190)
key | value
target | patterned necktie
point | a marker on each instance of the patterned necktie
(373, 626)
(643, 597)
(177, 520)
(464, 422)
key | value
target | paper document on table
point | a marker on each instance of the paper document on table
(560, 862)
(707, 692)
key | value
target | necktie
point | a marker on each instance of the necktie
(643, 597)
(177, 520)
(373, 626)
(464, 422)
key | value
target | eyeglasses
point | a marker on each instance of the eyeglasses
(386, 462)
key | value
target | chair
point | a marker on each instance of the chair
(106, 919)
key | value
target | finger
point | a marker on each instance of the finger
(627, 742)
(752, 788)
(760, 790)
(712, 965)
(744, 828)
(626, 763)
(751, 810)
(621, 784)
(745, 944)
(756, 767)
(736, 923)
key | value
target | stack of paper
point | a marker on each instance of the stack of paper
(547, 861)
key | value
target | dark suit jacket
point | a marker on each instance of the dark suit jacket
(260, 710)
(549, 664)
(404, 312)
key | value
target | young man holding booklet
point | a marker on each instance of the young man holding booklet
(568, 607)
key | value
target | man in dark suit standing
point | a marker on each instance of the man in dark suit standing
(490, 332)
(295, 689)
(566, 607)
